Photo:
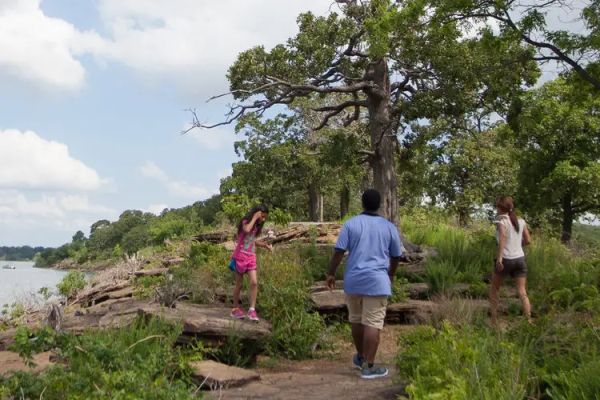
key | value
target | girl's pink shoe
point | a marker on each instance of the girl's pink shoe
(253, 316)
(238, 313)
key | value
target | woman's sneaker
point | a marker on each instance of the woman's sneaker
(358, 361)
(373, 372)
(238, 313)
(252, 315)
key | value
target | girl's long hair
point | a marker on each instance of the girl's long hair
(507, 205)
(248, 218)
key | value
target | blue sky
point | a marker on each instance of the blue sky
(93, 102)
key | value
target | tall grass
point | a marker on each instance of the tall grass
(463, 363)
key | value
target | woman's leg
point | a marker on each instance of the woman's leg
(521, 283)
(494, 288)
(253, 287)
(239, 281)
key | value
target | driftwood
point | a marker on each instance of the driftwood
(151, 272)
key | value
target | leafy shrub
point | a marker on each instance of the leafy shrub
(72, 283)
(399, 290)
(461, 364)
(279, 217)
(138, 362)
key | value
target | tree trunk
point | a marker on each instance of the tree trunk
(383, 143)
(567, 220)
(344, 201)
(313, 202)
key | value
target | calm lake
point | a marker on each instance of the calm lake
(20, 282)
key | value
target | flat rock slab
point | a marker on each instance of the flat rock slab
(214, 375)
(206, 321)
(11, 362)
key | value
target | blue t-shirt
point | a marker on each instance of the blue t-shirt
(371, 241)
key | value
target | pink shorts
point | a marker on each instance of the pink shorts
(245, 262)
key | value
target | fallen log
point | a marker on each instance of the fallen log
(213, 237)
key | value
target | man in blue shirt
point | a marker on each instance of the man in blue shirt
(374, 250)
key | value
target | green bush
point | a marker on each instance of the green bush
(461, 364)
(138, 362)
(72, 283)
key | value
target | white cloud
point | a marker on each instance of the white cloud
(179, 189)
(213, 139)
(29, 161)
(156, 209)
(14, 203)
(46, 218)
(190, 41)
(195, 36)
(37, 48)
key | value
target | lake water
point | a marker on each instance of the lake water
(21, 282)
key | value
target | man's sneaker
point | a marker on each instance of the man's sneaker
(252, 315)
(358, 361)
(238, 313)
(373, 372)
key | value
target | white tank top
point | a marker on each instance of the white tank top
(512, 248)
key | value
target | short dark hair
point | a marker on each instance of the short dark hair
(371, 200)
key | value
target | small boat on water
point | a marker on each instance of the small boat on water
(8, 266)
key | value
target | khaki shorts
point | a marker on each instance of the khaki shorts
(367, 310)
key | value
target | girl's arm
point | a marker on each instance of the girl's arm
(267, 246)
(250, 225)
(526, 237)
(501, 243)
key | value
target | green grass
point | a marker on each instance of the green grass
(129, 363)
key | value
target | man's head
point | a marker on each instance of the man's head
(371, 200)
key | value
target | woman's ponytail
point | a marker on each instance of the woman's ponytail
(506, 205)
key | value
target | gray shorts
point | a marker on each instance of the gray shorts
(515, 267)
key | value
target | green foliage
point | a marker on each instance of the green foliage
(463, 363)
(236, 206)
(284, 301)
(279, 217)
(29, 342)
(130, 363)
(399, 290)
(145, 286)
(558, 138)
(72, 283)
(441, 277)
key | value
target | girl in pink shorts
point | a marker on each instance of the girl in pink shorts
(244, 258)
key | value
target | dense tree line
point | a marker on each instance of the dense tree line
(132, 231)
(19, 253)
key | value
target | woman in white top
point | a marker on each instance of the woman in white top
(511, 234)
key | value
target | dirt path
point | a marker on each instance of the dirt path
(326, 379)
